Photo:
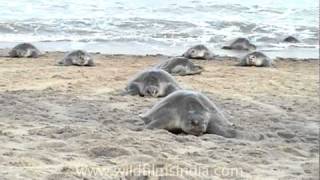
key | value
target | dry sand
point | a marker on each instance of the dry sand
(56, 121)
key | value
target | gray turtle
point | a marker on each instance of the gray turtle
(240, 44)
(198, 52)
(291, 39)
(257, 59)
(152, 82)
(189, 112)
(24, 50)
(77, 58)
(180, 66)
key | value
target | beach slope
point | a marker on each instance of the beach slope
(56, 121)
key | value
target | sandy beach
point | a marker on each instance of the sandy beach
(73, 123)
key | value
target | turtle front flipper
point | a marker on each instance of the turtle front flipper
(219, 125)
(225, 131)
(243, 62)
(163, 119)
(197, 70)
(132, 89)
(179, 70)
(170, 89)
(226, 47)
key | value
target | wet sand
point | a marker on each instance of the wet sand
(56, 120)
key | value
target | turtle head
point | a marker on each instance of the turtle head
(151, 84)
(85, 60)
(253, 60)
(196, 119)
(82, 59)
(151, 91)
(196, 123)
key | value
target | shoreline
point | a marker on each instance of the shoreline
(126, 48)
(4, 53)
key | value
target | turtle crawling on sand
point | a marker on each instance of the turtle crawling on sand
(257, 59)
(180, 66)
(240, 44)
(152, 82)
(291, 39)
(198, 52)
(24, 50)
(189, 112)
(77, 58)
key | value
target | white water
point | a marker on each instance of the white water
(153, 26)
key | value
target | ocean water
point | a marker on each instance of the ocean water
(166, 26)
